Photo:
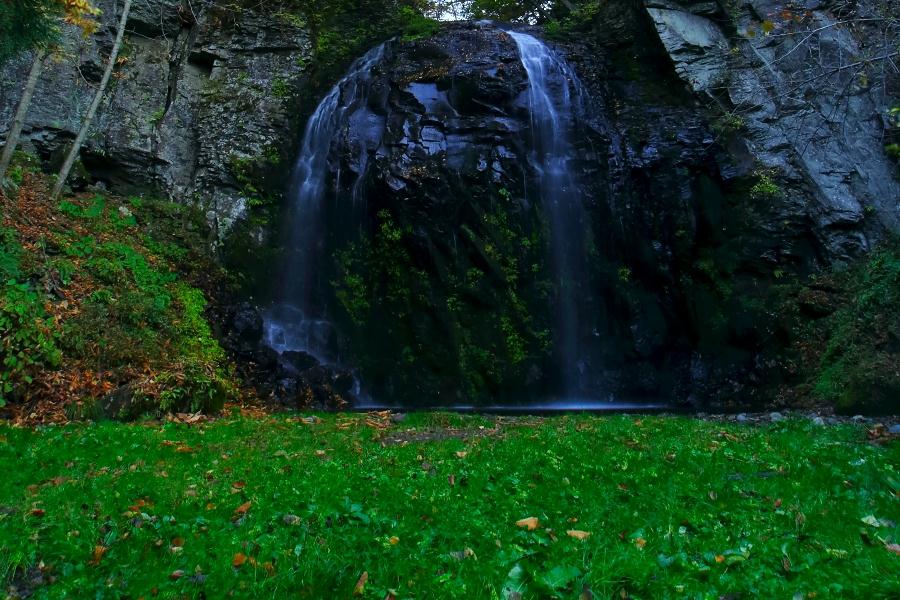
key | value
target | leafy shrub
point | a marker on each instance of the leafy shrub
(27, 338)
(860, 368)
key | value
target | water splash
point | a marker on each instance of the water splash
(553, 99)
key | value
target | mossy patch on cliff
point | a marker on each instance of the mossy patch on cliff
(859, 366)
(102, 310)
(470, 326)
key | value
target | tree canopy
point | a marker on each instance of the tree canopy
(27, 24)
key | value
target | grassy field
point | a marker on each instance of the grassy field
(443, 506)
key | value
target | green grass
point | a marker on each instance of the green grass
(676, 508)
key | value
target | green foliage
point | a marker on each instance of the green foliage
(765, 187)
(728, 124)
(26, 24)
(581, 18)
(28, 337)
(22, 163)
(123, 310)
(416, 26)
(675, 508)
(477, 319)
(280, 88)
(858, 371)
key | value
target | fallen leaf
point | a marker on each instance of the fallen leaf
(895, 548)
(97, 554)
(530, 523)
(873, 521)
(640, 543)
(238, 561)
(394, 540)
(38, 512)
(463, 554)
(176, 575)
(578, 534)
(361, 584)
(461, 454)
(243, 508)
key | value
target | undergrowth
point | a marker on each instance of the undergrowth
(101, 299)
(860, 366)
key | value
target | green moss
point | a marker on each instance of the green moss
(470, 324)
(765, 187)
(280, 88)
(858, 371)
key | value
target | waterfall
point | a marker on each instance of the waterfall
(298, 320)
(553, 89)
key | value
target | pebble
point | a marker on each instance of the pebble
(895, 429)
(776, 416)
(742, 418)
(818, 421)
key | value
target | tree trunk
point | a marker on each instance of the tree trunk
(12, 139)
(92, 110)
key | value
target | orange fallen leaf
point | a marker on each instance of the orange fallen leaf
(38, 512)
(461, 454)
(176, 575)
(239, 559)
(530, 523)
(895, 548)
(578, 534)
(97, 554)
(361, 584)
(640, 543)
(243, 508)
(720, 559)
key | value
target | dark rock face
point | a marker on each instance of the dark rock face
(442, 287)
(836, 169)
(442, 283)
(201, 99)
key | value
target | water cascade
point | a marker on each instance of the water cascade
(298, 321)
(349, 130)
(553, 93)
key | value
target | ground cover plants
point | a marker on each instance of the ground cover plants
(443, 506)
